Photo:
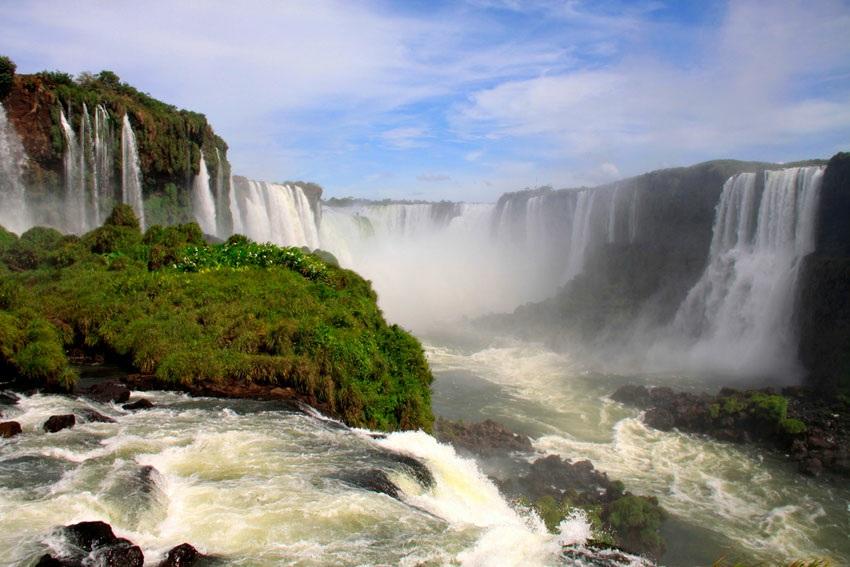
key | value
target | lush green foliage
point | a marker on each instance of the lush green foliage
(218, 315)
(636, 521)
(7, 75)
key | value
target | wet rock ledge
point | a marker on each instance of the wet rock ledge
(812, 431)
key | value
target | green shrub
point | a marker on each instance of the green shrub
(7, 75)
(793, 426)
(123, 215)
(636, 522)
(770, 407)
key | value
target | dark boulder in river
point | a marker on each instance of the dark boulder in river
(8, 400)
(10, 429)
(184, 555)
(59, 422)
(94, 543)
(143, 403)
(106, 392)
(94, 416)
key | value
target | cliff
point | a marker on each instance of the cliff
(169, 140)
(824, 311)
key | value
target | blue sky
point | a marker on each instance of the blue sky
(465, 100)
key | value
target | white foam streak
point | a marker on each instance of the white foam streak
(14, 212)
(131, 174)
(203, 202)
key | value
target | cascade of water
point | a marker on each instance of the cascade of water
(536, 233)
(88, 172)
(633, 215)
(74, 179)
(742, 308)
(268, 212)
(582, 230)
(103, 164)
(612, 214)
(14, 210)
(203, 202)
(221, 195)
(131, 177)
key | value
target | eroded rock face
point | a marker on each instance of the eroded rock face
(59, 422)
(10, 429)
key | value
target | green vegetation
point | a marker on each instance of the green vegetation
(630, 522)
(222, 316)
(7, 75)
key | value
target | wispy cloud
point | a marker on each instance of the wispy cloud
(495, 94)
(433, 177)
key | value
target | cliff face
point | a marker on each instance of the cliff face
(824, 307)
(169, 140)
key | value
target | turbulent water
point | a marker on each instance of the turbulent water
(255, 484)
(725, 500)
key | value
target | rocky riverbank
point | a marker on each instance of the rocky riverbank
(809, 429)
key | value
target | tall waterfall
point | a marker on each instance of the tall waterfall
(75, 197)
(222, 194)
(131, 175)
(203, 202)
(103, 164)
(269, 212)
(740, 313)
(582, 230)
(14, 211)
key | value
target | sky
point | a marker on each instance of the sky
(465, 100)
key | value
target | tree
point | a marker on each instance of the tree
(7, 75)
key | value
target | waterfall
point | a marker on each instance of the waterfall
(103, 164)
(270, 212)
(14, 211)
(740, 312)
(131, 178)
(582, 231)
(221, 196)
(203, 202)
(88, 173)
(75, 199)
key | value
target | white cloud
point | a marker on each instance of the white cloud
(405, 137)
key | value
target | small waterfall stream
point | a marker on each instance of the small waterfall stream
(131, 176)
(203, 202)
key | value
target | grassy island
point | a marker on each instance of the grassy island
(195, 315)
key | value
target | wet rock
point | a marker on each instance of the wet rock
(106, 392)
(415, 468)
(375, 480)
(486, 438)
(59, 422)
(659, 419)
(50, 561)
(93, 416)
(811, 467)
(10, 429)
(141, 404)
(633, 395)
(182, 555)
(100, 546)
(8, 399)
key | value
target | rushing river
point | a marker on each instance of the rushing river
(256, 483)
(725, 501)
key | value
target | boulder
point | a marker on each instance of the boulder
(99, 541)
(143, 403)
(8, 399)
(10, 429)
(659, 419)
(633, 395)
(183, 555)
(106, 392)
(59, 422)
(93, 416)
(374, 480)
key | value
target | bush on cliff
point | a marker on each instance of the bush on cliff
(7, 75)
(216, 316)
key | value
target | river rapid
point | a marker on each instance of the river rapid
(258, 483)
